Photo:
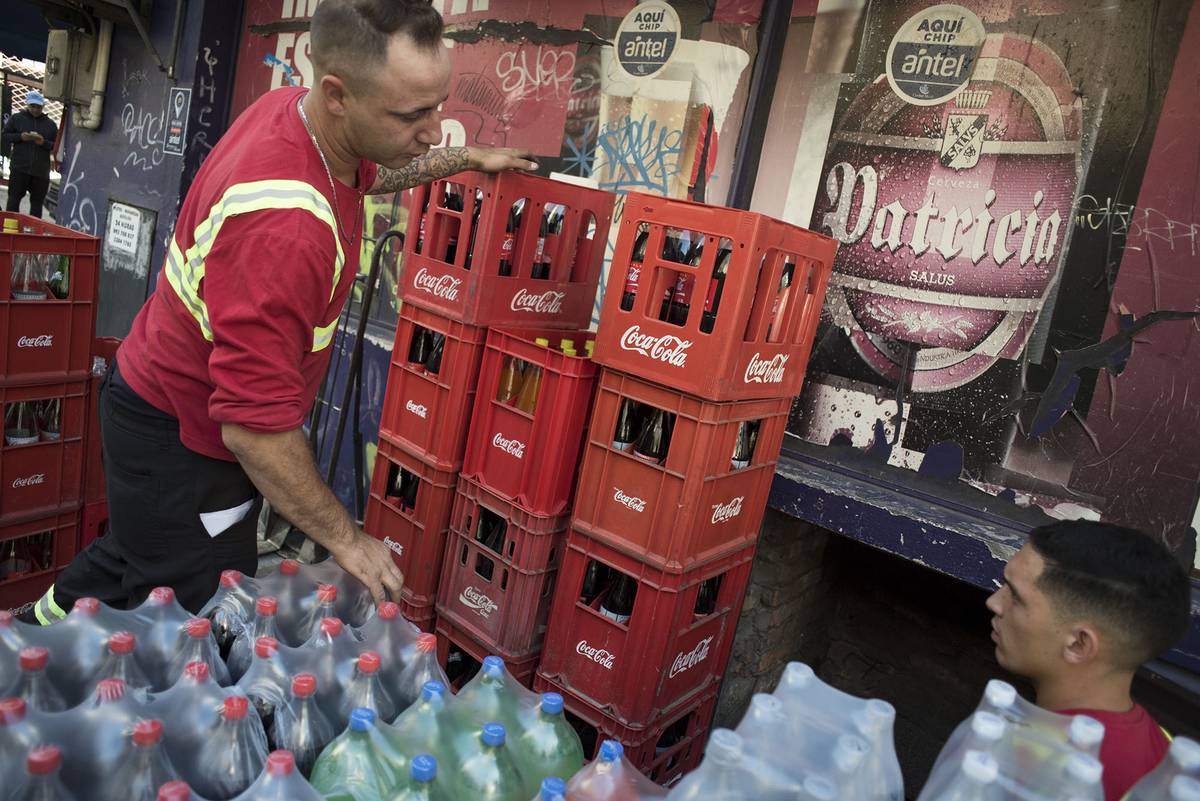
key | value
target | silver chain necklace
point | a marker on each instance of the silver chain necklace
(328, 173)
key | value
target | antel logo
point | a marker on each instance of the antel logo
(42, 341)
(765, 371)
(685, 662)
(598, 655)
(513, 447)
(636, 504)
(395, 547)
(29, 481)
(417, 409)
(477, 601)
(549, 302)
(666, 348)
(727, 511)
(440, 286)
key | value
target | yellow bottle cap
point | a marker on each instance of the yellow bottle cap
(11, 224)
(567, 343)
(545, 343)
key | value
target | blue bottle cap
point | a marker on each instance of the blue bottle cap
(424, 768)
(553, 788)
(611, 751)
(493, 734)
(552, 703)
(362, 719)
(493, 666)
(431, 688)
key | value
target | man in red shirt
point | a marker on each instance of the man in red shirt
(1083, 605)
(203, 410)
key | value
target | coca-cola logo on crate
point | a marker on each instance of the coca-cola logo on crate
(476, 601)
(416, 408)
(513, 447)
(727, 511)
(29, 481)
(666, 348)
(549, 302)
(440, 286)
(636, 504)
(598, 655)
(395, 547)
(685, 662)
(40, 341)
(765, 371)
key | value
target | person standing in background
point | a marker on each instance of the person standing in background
(30, 134)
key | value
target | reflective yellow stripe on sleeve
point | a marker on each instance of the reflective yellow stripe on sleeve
(185, 271)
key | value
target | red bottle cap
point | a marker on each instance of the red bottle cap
(175, 791)
(368, 662)
(196, 671)
(427, 643)
(388, 610)
(265, 647)
(266, 606)
(87, 606)
(304, 685)
(44, 760)
(122, 642)
(34, 658)
(280, 763)
(12, 710)
(199, 627)
(327, 593)
(289, 567)
(236, 707)
(110, 690)
(230, 579)
(162, 595)
(331, 626)
(147, 732)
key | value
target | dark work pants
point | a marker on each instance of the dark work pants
(21, 182)
(158, 491)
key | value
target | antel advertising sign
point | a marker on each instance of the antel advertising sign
(646, 38)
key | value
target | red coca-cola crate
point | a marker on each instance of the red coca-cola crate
(417, 535)
(694, 506)
(39, 547)
(423, 617)
(425, 413)
(480, 295)
(46, 474)
(664, 655)
(94, 523)
(664, 751)
(46, 339)
(500, 596)
(762, 334)
(531, 458)
(451, 636)
(93, 469)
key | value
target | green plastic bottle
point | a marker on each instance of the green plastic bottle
(421, 729)
(489, 774)
(423, 784)
(491, 696)
(546, 745)
(359, 765)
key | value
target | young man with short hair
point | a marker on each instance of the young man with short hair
(1083, 605)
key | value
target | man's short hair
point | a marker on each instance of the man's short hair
(350, 37)
(1120, 578)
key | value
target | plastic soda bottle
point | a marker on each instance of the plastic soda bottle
(611, 777)
(419, 729)
(552, 789)
(33, 684)
(121, 662)
(394, 639)
(358, 764)
(365, 690)
(546, 745)
(281, 781)
(42, 781)
(266, 682)
(17, 736)
(231, 754)
(489, 774)
(423, 784)
(423, 668)
(146, 766)
(241, 652)
(300, 726)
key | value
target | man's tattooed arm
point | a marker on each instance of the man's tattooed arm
(438, 163)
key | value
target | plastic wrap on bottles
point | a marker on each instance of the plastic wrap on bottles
(425, 782)
(354, 603)
(196, 644)
(493, 695)
(544, 744)
(299, 725)
(32, 683)
(78, 644)
(330, 655)
(1039, 754)
(424, 727)
(487, 771)
(121, 662)
(177, 791)
(159, 623)
(231, 606)
(146, 766)
(975, 778)
(231, 753)
(267, 682)
(359, 764)
(394, 639)
(280, 781)
(18, 734)
(95, 735)
(612, 777)
(422, 668)
(365, 690)
(11, 644)
(1182, 759)
(732, 770)
(41, 777)
(241, 649)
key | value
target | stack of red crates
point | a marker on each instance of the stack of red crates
(45, 369)
(457, 293)
(724, 366)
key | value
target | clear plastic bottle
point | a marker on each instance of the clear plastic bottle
(423, 667)
(611, 777)
(198, 645)
(730, 773)
(875, 723)
(17, 736)
(121, 662)
(299, 726)
(976, 779)
(281, 781)
(160, 621)
(545, 744)
(1182, 759)
(33, 684)
(1185, 788)
(329, 655)
(231, 606)
(488, 773)
(365, 690)
(1081, 778)
(241, 652)
(290, 587)
(266, 683)
(326, 607)
(177, 791)
(231, 755)
(358, 764)
(146, 766)
(764, 728)
(423, 728)
(42, 781)
(394, 639)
